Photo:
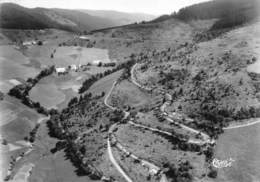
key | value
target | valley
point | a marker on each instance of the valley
(159, 101)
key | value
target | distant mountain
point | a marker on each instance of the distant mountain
(13, 16)
(120, 18)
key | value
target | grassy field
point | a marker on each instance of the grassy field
(47, 94)
(13, 66)
(127, 94)
(242, 145)
(17, 120)
(55, 91)
(104, 84)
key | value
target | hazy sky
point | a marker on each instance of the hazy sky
(146, 6)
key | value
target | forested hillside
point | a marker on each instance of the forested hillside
(228, 12)
(13, 16)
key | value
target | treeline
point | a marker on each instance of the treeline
(90, 81)
(32, 135)
(22, 91)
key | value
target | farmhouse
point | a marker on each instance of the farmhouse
(60, 70)
(27, 43)
(73, 67)
(84, 38)
(96, 62)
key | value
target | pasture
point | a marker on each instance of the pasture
(65, 56)
(54, 90)
(104, 84)
(243, 146)
(127, 94)
(14, 67)
(17, 120)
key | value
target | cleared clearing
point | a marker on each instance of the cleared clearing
(47, 94)
(17, 120)
(127, 94)
(13, 66)
(104, 84)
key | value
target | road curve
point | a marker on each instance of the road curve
(133, 79)
(204, 135)
(110, 154)
(111, 157)
(113, 160)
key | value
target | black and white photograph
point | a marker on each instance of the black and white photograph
(129, 90)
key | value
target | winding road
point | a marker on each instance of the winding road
(133, 79)
(152, 167)
(242, 125)
(113, 160)
(168, 117)
(109, 149)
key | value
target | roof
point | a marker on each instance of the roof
(96, 62)
(60, 69)
(84, 37)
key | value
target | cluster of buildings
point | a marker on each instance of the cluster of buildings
(32, 42)
(72, 67)
(75, 67)
(28, 43)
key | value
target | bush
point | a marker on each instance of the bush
(39, 43)
(212, 173)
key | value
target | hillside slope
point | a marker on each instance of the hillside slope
(120, 18)
(13, 16)
(229, 12)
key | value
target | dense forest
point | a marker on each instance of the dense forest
(229, 13)
(13, 16)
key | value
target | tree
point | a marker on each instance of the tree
(212, 173)
(39, 43)
(102, 94)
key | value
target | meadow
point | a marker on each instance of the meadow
(243, 146)
(127, 94)
(55, 90)
(65, 56)
(13, 67)
(17, 121)
(104, 84)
